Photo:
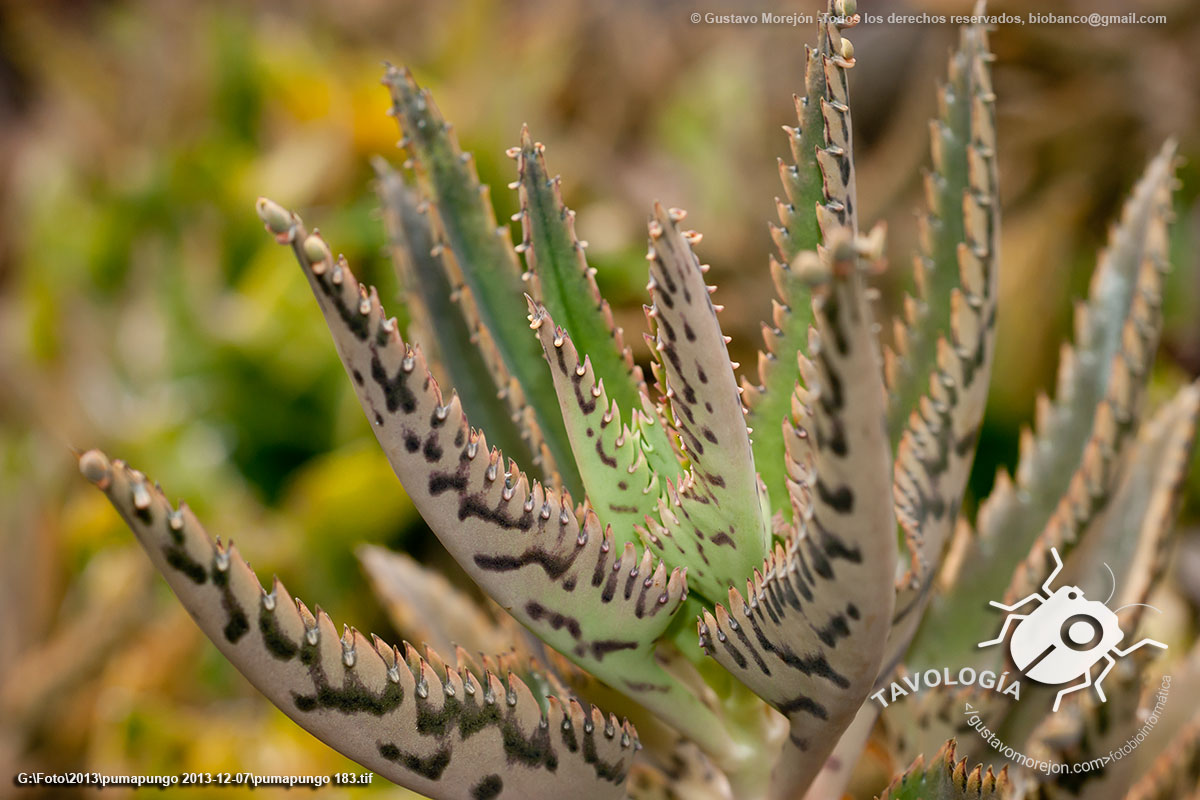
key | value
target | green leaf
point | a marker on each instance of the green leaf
(1122, 552)
(808, 636)
(560, 280)
(718, 504)
(551, 565)
(445, 732)
(943, 778)
(819, 190)
(938, 435)
(963, 131)
(937, 444)
(482, 253)
(1100, 385)
(438, 322)
(621, 483)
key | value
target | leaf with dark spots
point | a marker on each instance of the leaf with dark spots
(538, 612)
(554, 566)
(178, 559)
(693, 352)
(623, 464)
(465, 225)
(386, 707)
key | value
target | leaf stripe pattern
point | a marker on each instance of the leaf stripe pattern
(808, 635)
(954, 134)
(446, 732)
(719, 501)
(560, 279)
(821, 175)
(463, 356)
(621, 485)
(425, 607)
(524, 544)
(484, 256)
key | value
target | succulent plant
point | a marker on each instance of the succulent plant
(731, 570)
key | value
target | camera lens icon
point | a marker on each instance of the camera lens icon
(1081, 632)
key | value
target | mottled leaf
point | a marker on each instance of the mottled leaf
(450, 341)
(446, 732)
(560, 279)
(425, 607)
(483, 253)
(937, 445)
(686, 774)
(622, 485)
(556, 571)
(809, 633)
(718, 505)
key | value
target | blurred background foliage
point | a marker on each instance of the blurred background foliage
(143, 309)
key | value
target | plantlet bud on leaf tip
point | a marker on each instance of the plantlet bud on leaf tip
(316, 250)
(277, 218)
(95, 467)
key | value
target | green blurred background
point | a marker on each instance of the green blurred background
(143, 309)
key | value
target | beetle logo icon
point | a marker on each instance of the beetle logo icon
(1065, 636)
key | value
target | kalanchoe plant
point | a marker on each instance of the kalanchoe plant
(733, 568)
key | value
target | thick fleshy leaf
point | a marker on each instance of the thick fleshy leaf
(821, 177)
(809, 633)
(1132, 534)
(622, 485)
(560, 279)
(524, 544)
(1121, 557)
(937, 445)
(718, 506)
(451, 342)
(938, 389)
(482, 252)
(963, 131)
(1084, 732)
(943, 778)
(446, 732)
(849, 756)
(1077, 437)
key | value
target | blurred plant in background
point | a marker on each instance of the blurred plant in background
(142, 311)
